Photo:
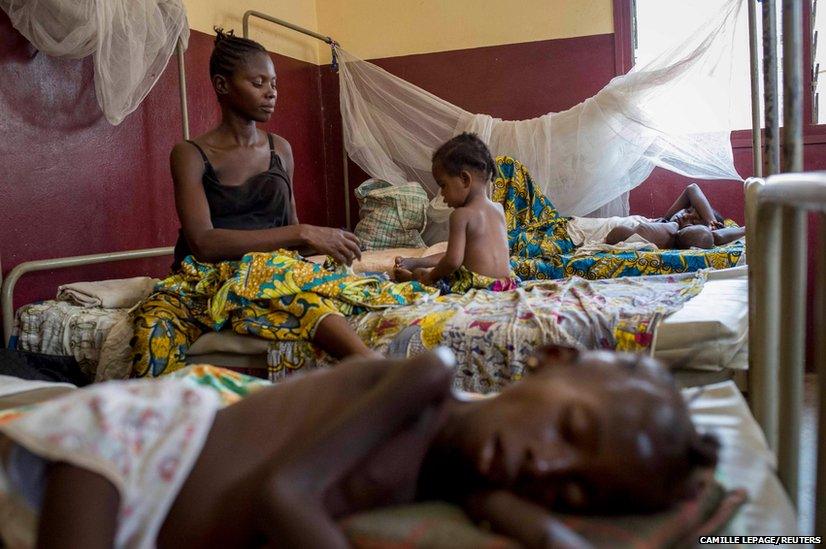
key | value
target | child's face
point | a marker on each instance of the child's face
(582, 436)
(686, 217)
(454, 188)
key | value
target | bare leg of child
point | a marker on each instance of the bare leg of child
(337, 338)
(412, 263)
(402, 275)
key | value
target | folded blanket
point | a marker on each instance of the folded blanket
(120, 293)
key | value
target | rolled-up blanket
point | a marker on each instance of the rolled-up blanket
(120, 293)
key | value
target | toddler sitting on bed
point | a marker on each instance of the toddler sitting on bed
(690, 222)
(477, 253)
(143, 463)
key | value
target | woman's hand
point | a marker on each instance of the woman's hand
(342, 246)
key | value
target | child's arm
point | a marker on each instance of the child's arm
(693, 197)
(80, 509)
(455, 254)
(730, 234)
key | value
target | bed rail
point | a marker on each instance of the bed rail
(780, 206)
(61, 263)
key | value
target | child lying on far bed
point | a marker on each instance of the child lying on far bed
(477, 253)
(141, 462)
(690, 222)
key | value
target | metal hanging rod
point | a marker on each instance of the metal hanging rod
(277, 21)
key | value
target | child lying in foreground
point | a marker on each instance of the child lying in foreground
(477, 253)
(142, 462)
(690, 222)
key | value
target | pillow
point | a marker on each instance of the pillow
(391, 216)
(438, 524)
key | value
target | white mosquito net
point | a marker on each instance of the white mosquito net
(131, 41)
(672, 112)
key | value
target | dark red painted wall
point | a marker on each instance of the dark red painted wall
(72, 184)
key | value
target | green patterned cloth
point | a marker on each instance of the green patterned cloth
(391, 216)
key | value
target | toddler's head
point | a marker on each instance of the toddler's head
(695, 236)
(461, 166)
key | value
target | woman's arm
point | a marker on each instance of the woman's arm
(210, 244)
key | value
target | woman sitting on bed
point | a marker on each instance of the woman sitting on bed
(588, 432)
(690, 222)
(234, 195)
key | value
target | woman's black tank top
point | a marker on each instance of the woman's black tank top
(262, 202)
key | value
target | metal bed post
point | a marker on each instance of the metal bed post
(764, 295)
(756, 146)
(771, 157)
(182, 81)
(245, 25)
(820, 368)
(793, 283)
(801, 193)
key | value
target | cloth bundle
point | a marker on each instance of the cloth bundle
(121, 293)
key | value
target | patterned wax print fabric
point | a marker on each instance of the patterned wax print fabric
(541, 248)
(493, 334)
(535, 228)
(276, 296)
(463, 280)
(391, 216)
(598, 265)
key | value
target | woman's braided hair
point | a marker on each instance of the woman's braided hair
(465, 151)
(230, 52)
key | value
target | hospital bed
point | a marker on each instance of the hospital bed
(708, 335)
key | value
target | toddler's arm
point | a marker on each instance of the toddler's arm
(453, 258)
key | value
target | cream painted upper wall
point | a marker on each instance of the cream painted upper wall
(387, 28)
(205, 14)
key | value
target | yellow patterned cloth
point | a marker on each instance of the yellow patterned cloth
(276, 296)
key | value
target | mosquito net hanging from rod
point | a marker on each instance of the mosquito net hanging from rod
(672, 112)
(131, 41)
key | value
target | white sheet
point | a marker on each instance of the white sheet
(745, 461)
(711, 328)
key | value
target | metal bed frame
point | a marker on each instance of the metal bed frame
(777, 206)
